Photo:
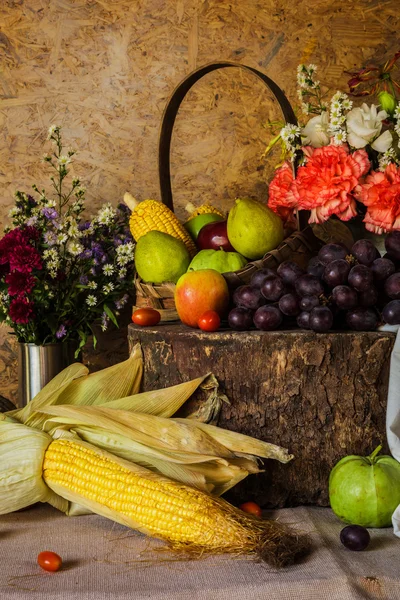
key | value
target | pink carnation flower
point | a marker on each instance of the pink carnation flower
(325, 185)
(278, 199)
(381, 194)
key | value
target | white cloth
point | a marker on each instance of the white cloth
(393, 416)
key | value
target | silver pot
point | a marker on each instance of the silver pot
(37, 365)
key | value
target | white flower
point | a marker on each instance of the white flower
(364, 125)
(386, 158)
(108, 288)
(64, 160)
(383, 142)
(73, 230)
(108, 270)
(61, 238)
(316, 131)
(51, 254)
(92, 285)
(106, 214)
(75, 248)
(339, 138)
(91, 300)
(14, 212)
(51, 131)
(347, 104)
(50, 204)
(122, 273)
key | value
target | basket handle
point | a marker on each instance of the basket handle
(171, 111)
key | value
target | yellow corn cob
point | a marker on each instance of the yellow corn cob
(204, 209)
(189, 519)
(151, 215)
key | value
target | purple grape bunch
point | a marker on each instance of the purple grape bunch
(339, 288)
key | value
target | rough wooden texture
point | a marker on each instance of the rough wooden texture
(320, 396)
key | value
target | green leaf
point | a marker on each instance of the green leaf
(94, 337)
(83, 340)
(110, 314)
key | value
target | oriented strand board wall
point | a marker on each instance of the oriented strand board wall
(104, 69)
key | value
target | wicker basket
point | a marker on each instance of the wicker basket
(299, 246)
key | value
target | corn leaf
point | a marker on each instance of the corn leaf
(48, 394)
(239, 443)
(156, 432)
(109, 384)
(161, 403)
(22, 452)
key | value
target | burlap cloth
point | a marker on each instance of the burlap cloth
(103, 561)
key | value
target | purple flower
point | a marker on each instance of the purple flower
(83, 226)
(50, 213)
(61, 332)
(31, 201)
(50, 238)
(83, 279)
(121, 302)
(85, 254)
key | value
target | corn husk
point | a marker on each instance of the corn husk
(75, 386)
(22, 451)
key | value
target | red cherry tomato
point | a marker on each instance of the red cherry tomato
(252, 508)
(145, 317)
(49, 561)
(209, 321)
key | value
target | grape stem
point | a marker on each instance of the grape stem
(372, 456)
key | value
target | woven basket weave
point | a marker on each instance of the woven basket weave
(298, 247)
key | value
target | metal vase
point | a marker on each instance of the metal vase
(37, 365)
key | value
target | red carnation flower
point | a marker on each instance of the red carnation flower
(21, 310)
(16, 237)
(381, 194)
(325, 185)
(24, 259)
(278, 199)
(19, 283)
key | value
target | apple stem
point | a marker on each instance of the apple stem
(375, 452)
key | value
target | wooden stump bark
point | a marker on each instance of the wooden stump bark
(320, 396)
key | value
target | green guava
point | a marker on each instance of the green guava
(219, 260)
(365, 490)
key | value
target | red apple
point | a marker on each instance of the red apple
(199, 291)
(214, 236)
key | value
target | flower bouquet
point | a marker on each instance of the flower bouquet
(347, 158)
(60, 272)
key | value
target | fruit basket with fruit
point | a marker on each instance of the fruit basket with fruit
(250, 238)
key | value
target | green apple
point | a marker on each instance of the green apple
(221, 261)
(365, 490)
(194, 225)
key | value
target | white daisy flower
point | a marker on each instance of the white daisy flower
(108, 270)
(108, 288)
(75, 248)
(62, 238)
(91, 300)
(63, 160)
(92, 285)
(52, 130)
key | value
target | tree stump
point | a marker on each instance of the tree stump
(320, 396)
